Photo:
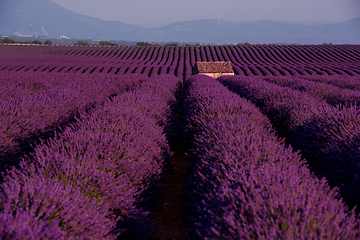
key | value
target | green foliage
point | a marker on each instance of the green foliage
(7, 40)
(82, 42)
(31, 42)
(25, 42)
(48, 42)
(172, 44)
(107, 43)
(246, 43)
(36, 42)
(144, 44)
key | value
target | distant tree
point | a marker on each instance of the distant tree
(188, 44)
(246, 43)
(48, 42)
(143, 44)
(107, 43)
(172, 44)
(7, 40)
(82, 42)
(36, 42)
(104, 43)
(26, 42)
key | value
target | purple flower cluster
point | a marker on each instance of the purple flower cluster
(327, 136)
(244, 182)
(319, 89)
(87, 181)
(32, 103)
(35, 206)
(348, 82)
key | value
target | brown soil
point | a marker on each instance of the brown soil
(167, 217)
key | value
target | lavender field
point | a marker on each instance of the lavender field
(253, 60)
(90, 139)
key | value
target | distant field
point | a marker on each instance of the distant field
(254, 60)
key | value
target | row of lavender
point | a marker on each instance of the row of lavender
(322, 121)
(34, 104)
(244, 183)
(153, 60)
(88, 181)
(335, 89)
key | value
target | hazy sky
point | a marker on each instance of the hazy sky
(168, 11)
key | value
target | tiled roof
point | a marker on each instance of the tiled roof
(213, 67)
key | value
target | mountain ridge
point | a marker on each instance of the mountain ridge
(46, 18)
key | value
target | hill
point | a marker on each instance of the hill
(45, 18)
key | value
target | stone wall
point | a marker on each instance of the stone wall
(216, 75)
(213, 69)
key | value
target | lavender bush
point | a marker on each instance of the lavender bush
(327, 136)
(34, 206)
(332, 94)
(347, 82)
(108, 157)
(32, 104)
(244, 183)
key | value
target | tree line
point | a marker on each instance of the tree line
(10, 40)
(101, 43)
(108, 43)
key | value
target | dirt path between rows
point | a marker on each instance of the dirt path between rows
(167, 218)
(168, 223)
